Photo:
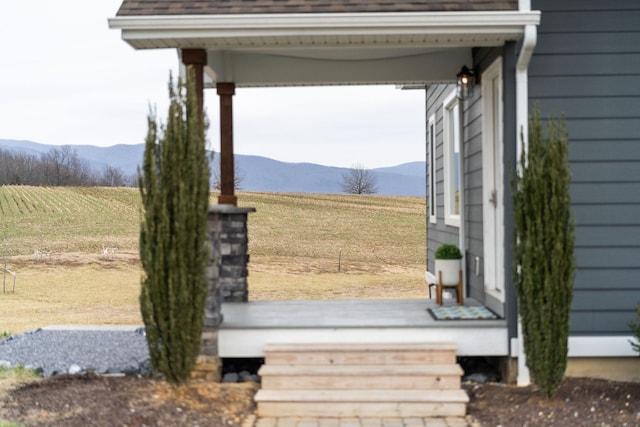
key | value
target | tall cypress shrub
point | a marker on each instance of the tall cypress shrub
(174, 184)
(544, 263)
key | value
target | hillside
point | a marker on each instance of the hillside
(257, 173)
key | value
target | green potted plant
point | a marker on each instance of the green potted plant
(448, 271)
(448, 262)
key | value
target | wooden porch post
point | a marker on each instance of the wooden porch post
(197, 58)
(227, 175)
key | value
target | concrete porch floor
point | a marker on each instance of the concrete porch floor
(247, 327)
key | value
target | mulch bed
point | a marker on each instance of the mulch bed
(128, 401)
(579, 402)
(135, 401)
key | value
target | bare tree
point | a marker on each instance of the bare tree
(113, 176)
(63, 166)
(359, 180)
(215, 175)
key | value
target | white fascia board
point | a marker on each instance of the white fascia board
(327, 20)
(180, 27)
(593, 346)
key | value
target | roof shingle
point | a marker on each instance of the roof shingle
(228, 7)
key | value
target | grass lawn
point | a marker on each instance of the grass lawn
(302, 246)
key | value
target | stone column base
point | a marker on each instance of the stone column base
(207, 368)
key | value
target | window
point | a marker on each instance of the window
(452, 161)
(431, 153)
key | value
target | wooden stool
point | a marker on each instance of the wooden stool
(440, 288)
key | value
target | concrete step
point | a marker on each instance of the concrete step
(362, 377)
(360, 354)
(358, 403)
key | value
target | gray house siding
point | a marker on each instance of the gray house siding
(587, 66)
(438, 233)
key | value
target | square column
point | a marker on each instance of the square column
(227, 174)
(227, 275)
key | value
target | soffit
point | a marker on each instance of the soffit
(322, 31)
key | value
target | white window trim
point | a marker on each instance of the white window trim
(449, 173)
(431, 158)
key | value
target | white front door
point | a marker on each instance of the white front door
(492, 181)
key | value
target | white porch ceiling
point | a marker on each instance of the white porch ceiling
(315, 49)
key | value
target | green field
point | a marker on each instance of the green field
(302, 246)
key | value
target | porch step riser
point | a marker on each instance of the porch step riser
(283, 382)
(359, 409)
(438, 357)
(361, 380)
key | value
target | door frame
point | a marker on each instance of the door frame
(492, 181)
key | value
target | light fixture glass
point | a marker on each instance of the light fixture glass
(466, 82)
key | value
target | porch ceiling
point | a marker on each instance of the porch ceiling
(325, 48)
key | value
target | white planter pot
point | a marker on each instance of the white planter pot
(450, 269)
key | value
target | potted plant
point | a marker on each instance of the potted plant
(448, 271)
(448, 261)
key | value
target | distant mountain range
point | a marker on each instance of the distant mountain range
(256, 173)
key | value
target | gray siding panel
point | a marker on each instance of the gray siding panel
(609, 214)
(604, 192)
(599, 322)
(615, 171)
(608, 257)
(584, 5)
(579, 20)
(603, 130)
(607, 236)
(569, 86)
(595, 107)
(586, 66)
(603, 280)
(598, 151)
(438, 233)
(574, 43)
(606, 64)
(611, 300)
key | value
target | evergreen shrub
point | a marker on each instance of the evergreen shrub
(544, 241)
(174, 184)
(635, 328)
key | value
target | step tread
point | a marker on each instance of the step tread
(356, 370)
(362, 409)
(343, 396)
(321, 347)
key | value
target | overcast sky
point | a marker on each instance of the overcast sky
(66, 78)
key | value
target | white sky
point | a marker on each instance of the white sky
(66, 78)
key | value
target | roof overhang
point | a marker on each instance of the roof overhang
(286, 49)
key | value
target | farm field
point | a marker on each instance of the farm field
(302, 246)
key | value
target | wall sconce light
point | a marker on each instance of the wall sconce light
(466, 82)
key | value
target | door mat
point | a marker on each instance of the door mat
(462, 313)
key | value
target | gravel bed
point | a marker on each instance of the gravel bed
(52, 351)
